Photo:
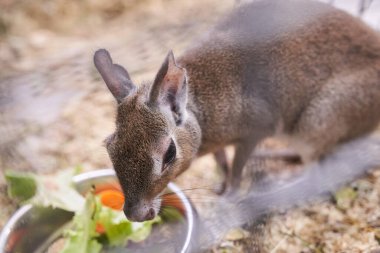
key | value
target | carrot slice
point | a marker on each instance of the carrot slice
(14, 238)
(112, 198)
(173, 201)
(111, 186)
(100, 228)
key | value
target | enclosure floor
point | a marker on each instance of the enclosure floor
(59, 111)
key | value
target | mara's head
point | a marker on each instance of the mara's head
(155, 137)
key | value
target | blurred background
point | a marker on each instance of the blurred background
(55, 111)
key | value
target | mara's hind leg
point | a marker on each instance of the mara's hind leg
(346, 107)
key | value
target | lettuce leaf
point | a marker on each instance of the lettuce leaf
(57, 191)
(171, 214)
(81, 238)
(119, 230)
(21, 186)
(45, 190)
(142, 230)
(117, 227)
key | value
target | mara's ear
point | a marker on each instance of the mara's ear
(170, 88)
(114, 75)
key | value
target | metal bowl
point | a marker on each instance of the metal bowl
(34, 229)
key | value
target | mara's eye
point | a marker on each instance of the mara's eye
(170, 154)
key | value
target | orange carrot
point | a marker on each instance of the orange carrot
(111, 186)
(14, 239)
(112, 198)
(100, 228)
(174, 201)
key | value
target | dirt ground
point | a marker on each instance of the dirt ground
(55, 111)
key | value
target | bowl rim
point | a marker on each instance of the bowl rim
(80, 178)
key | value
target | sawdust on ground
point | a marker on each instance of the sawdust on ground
(55, 111)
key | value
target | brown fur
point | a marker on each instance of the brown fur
(301, 69)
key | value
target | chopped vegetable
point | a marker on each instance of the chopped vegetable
(21, 186)
(96, 220)
(170, 214)
(14, 239)
(112, 198)
(47, 190)
(105, 187)
(174, 201)
(96, 217)
(119, 230)
(100, 228)
(81, 238)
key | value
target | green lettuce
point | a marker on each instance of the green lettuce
(21, 186)
(89, 213)
(83, 238)
(45, 190)
(118, 229)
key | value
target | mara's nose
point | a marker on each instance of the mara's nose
(139, 213)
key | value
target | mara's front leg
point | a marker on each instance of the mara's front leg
(242, 154)
(233, 174)
(222, 162)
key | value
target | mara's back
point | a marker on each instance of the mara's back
(276, 53)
